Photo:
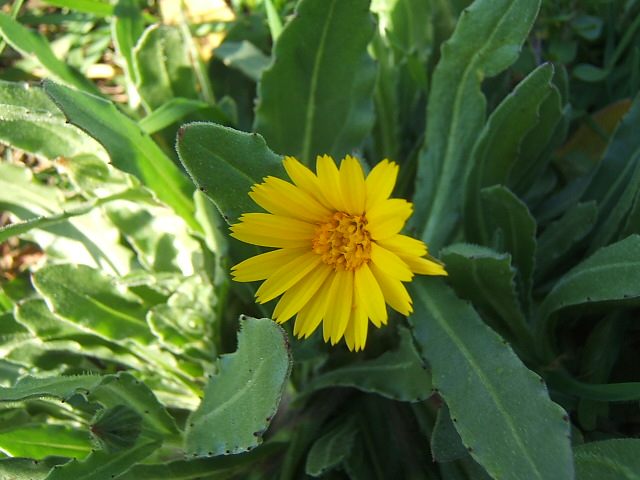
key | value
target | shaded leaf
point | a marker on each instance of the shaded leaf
(331, 449)
(617, 459)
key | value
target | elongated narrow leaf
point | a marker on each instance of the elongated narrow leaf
(129, 147)
(240, 400)
(316, 96)
(39, 441)
(50, 387)
(612, 274)
(225, 163)
(95, 7)
(488, 389)
(89, 298)
(617, 459)
(331, 449)
(127, 27)
(17, 468)
(487, 40)
(399, 374)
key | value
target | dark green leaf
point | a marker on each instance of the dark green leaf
(446, 444)
(331, 449)
(315, 99)
(617, 459)
(116, 428)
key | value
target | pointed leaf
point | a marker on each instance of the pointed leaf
(240, 400)
(488, 388)
(331, 449)
(315, 98)
(39, 441)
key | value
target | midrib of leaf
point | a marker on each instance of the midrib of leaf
(440, 318)
(306, 143)
(439, 200)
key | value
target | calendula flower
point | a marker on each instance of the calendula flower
(340, 257)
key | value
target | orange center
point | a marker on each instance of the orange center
(343, 241)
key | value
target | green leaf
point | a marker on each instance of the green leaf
(446, 444)
(488, 389)
(244, 56)
(487, 40)
(225, 163)
(50, 387)
(612, 274)
(331, 449)
(32, 122)
(90, 299)
(16, 468)
(617, 459)
(607, 392)
(487, 278)
(240, 400)
(315, 98)
(399, 374)
(116, 428)
(102, 465)
(175, 110)
(95, 7)
(42, 440)
(32, 43)
(129, 147)
(127, 27)
(163, 68)
(616, 181)
(499, 142)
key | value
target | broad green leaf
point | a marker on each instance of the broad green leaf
(487, 278)
(559, 236)
(95, 7)
(612, 274)
(486, 40)
(398, 374)
(510, 228)
(487, 388)
(331, 449)
(129, 147)
(446, 444)
(32, 43)
(240, 400)
(616, 181)
(90, 299)
(16, 468)
(315, 98)
(163, 68)
(244, 56)
(499, 142)
(225, 163)
(43, 440)
(175, 110)
(616, 459)
(102, 465)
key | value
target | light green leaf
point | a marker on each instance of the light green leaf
(90, 299)
(240, 400)
(42, 440)
(49, 387)
(102, 465)
(617, 459)
(487, 39)
(126, 28)
(244, 56)
(398, 374)
(612, 274)
(33, 43)
(488, 388)
(175, 110)
(225, 163)
(163, 68)
(331, 449)
(17, 468)
(315, 98)
(129, 147)
(95, 7)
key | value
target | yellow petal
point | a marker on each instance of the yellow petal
(299, 294)
(305, 179)
(356, 333)
(285, 199)
(287, 276)
(264, 265)
(390, 263)
(269, 230)
(338, 312)
(387, 218)
(352, 184)
(401, 244)
(423, 266)
(380, 183)
(329, 182)
(395, 293)
(312, 313)
(368, 295)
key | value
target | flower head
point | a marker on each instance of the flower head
(340, 257)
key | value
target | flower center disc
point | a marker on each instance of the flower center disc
(343, 241)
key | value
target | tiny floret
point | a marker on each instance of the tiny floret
(338, 255)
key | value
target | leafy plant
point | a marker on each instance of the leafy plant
(127, 352)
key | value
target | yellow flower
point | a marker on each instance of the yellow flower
(340, 256)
